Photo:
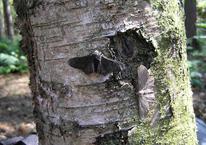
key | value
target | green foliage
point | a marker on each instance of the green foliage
(12, 58)
(201, 8)
(195, 73)
(201, 25)
(197, 63)
(197, 48)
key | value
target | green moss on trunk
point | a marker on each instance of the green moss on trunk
(172, 81)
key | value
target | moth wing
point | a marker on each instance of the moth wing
(143, 107)
(107, 66)
(146, 94)
(143, 76)
(84, 63)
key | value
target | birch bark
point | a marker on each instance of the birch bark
(147, 102)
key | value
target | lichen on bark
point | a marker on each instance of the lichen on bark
(172, 79)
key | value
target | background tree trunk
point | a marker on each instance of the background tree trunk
(1, 25)
(146, 101)
(191, 17)
(8, 20)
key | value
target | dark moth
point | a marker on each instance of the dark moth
(96, 62)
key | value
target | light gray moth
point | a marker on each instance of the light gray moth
(145, 91)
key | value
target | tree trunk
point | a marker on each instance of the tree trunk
(191, 17)
(1, 24)
(108, 72)
(8, 20)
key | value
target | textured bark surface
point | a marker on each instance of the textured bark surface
(146, 102)
(8, 19)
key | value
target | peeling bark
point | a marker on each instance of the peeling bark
(93, 104)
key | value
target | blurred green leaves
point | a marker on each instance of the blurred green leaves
(197, 49)
(201, 8)
(12, 58)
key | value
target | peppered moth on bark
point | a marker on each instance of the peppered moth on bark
(96, 63)
(145, 91)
